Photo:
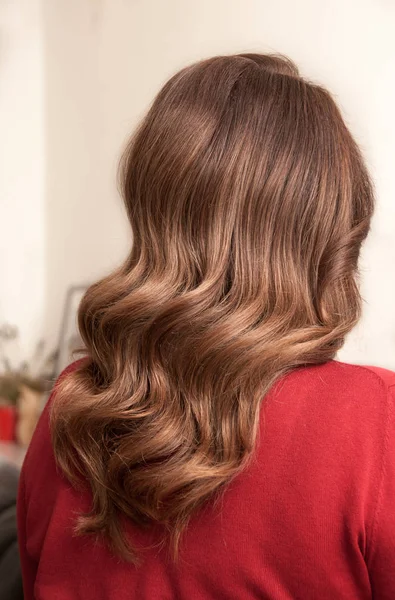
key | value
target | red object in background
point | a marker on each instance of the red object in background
(7, 423)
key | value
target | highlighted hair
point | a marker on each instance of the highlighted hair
(248, 200)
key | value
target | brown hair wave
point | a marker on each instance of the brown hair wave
(248, 200)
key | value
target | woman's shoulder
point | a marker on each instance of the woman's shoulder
(39, 468)
(385, 376)
(347, 378)
(340, 395)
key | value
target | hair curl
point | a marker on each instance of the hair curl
(248, 200)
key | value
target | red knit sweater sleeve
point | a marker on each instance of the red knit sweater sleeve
(381, 555)
(40, 446)
(28, 565)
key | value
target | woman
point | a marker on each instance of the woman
(209, 446)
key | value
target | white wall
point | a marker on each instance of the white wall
(22, 170)
(105, 59)
(84, 219)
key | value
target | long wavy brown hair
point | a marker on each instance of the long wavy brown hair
(248, 200)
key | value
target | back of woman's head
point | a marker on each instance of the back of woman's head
(249, 201)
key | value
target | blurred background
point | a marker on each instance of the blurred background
(75, 78)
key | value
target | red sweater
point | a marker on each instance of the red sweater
(312, 518)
